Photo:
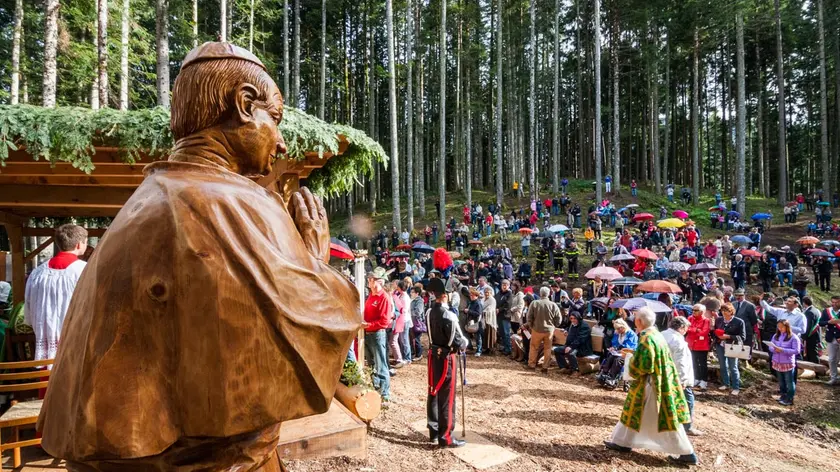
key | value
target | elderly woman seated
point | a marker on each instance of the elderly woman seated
(624, 340)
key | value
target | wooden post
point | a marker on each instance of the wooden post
(15, 233)
(2, 266)
(359, 275)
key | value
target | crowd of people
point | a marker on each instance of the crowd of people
(645, 276)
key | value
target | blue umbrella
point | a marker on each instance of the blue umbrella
(762, 216)
(636, 303)
(422, 247)
(741, 239)
(830, 242)
(621, 210)
(734, 213)
(823, 203)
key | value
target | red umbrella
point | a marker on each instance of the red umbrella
(476, 242)
(680, 214)
(643, 217)
(750, 253)
(837, 254)
(659, 286)
(339, 249)
(404, 247)
(645, 254)
(526, 230)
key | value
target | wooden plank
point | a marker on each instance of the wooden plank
(38, 249)
(61, 195)
(23, 387)
(25, 364)
(44, 232)
(32, 374)
(74, 180)
(59, 211)
(26, 443)
(64, 168)
(102, 154)
(15, 234)
(334, 433)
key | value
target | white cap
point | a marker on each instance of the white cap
(5, 290)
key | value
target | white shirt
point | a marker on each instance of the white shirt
(681, 356)
(5, 290)
(797, 320)
(48, 294)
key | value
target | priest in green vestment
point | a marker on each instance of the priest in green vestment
(655, 409)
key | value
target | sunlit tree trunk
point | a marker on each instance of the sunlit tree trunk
(596, 16)
(162, 45)
(296, 58)
(50, 49)
(555, 148)
(616, 102)
(392, 105)
(286, 89)
(667, 144)
(783, 171)
(125, 24)
(826, 169)
(695, 118)
(223, 22)
(251, 27)
(442, 111)
(194, 22)
(17, 38)
(499, 99)
(322, 91)
(532, 181)
(409, 114)
(741, 127)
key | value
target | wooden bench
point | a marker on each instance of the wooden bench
(21, 413)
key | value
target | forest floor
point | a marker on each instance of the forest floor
(556, 422)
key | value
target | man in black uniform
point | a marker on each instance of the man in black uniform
(445, 341)
(542, 258)
(559, 253)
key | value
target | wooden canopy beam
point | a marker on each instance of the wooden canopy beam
(47, 232)
(73, 180)
(21, 195)
(39, 249)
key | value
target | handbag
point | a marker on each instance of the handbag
(737, 351)
(471, 327)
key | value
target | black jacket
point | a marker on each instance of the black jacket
(444, 330)
(735, 329)
(746, 313)
(579, 339)
(832, 332)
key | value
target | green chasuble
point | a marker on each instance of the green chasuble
(652, 359)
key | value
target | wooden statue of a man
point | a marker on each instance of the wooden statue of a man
(208, 314)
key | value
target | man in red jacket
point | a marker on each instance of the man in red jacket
(379, 313)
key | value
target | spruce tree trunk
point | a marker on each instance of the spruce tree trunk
(50, 49)
(468, 139)
(94, 88)
(555, 148)
(780, 79)
(392, 106)
(17, 38)
(654, 117)
(162, 45)
(296, 58)
(532, 181)
(286, 90)
(251, 28)
(596, 16)
(322, 91)
(125, 24)
(442, 117)
(667, 145)
(194, 22)
(826, 169)
(741, 128)
(421, 134)
(499, 100)
(616, 102)
(409, 114)
(223, 22)
(695, 119)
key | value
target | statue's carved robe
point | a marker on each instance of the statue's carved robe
(201, 316)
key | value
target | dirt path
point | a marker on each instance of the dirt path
(558, 423)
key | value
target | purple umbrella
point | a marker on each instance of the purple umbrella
(703, 267)
(631, 304)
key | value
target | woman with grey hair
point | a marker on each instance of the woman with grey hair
(490, 320)
(655, 408)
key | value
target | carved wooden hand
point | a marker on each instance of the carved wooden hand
(308, 212)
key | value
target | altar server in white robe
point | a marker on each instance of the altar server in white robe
(50, 287)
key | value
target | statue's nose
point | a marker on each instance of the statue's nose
(281, 145)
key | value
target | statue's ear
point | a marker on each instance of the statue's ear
(243, 101)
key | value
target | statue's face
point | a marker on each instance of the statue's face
(258, 141)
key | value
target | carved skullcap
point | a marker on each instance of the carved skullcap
(213, 50)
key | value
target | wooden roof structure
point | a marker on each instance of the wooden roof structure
(42, 189)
